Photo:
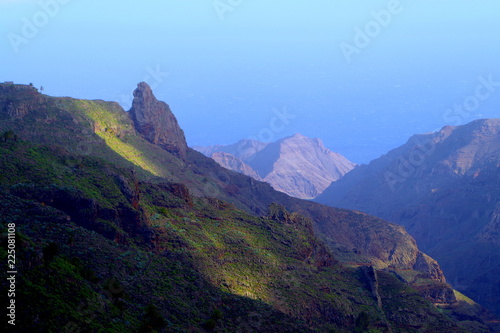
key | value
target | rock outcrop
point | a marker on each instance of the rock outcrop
(424, 263)
(19, 100)
(155, 121)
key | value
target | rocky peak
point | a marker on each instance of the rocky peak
(300, 166)
(296, 165)
(155, 121)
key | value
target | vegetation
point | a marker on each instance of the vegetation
(9, 135)
(111, 245)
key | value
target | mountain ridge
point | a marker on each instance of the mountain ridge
(296, 165)
(193, 216)
(444, 188)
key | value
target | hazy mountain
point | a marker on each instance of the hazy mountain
(444, 188)
(119, 231)
(298, 166)
(232, 162)
(243, 149)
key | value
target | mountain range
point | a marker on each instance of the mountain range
(298, 166)
(444, 188)
(121, 227)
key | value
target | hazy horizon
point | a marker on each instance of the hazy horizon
(363, 77)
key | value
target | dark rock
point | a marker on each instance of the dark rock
(131, 191)
(437, 293)
(179, 190)
(155, 121)
(371, 278)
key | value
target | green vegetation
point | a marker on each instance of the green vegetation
(462, 298)
(110, 241)
(206, 255)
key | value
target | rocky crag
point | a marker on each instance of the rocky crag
(155, 121)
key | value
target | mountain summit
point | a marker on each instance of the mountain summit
(300, 166)
(297, 165)
(155, 121)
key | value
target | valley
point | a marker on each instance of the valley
(122, 227)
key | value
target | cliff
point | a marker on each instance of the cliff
(155, 121)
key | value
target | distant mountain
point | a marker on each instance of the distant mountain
(297, 165)
(243, 149)
(118, 230)
(232, 162)
(444, 188)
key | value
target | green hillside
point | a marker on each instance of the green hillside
(117, 235)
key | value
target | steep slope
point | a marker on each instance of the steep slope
(231, 162)
(219, 239)
(298, 166)
(444, 188)
(304, 167)
(98, 250)
(106, 132)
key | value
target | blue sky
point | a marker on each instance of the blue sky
(361, 75)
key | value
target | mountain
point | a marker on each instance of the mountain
(298, 166)
(243, 149)
(117, 232)
(232, 162)
(444, 188)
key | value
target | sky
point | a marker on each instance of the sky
(361, 75)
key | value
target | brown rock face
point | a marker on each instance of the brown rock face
(156, 122)
(424, 263)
